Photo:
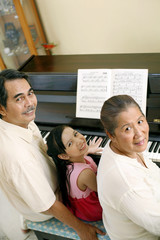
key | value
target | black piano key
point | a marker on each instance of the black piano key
(102, 143)
(152, 147)
(43, 133)
(106, 140)
(88, 138)
(92, 137)
(156, 147)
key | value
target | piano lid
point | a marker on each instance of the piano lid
(71, 63)
(55, 80)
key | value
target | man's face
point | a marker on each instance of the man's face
(21, 103)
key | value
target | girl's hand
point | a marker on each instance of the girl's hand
(94, 145)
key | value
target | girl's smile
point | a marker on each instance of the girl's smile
(75, 144)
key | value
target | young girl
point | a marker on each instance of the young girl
(76, 171)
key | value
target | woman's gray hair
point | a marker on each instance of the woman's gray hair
(112, 108)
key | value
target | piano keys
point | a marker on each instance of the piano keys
(153, 150)
(54, 80)
(153, 147)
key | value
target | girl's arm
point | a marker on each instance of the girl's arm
(87, 178)
(85, 231)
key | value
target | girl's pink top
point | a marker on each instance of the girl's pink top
(83, 204)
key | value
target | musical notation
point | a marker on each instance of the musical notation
(96, 85)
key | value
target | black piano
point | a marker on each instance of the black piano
(54, 79)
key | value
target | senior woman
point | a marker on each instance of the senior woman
(128, 182)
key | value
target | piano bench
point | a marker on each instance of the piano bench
(53, 229)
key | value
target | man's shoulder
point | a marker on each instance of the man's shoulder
(4, 133)
(2, 126)
(33, 126)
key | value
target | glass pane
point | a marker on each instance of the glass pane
(33, 25)
(14, 49)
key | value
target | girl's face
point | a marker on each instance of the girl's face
(131, 135)
(75, 144)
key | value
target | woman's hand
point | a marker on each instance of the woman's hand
(94, 146)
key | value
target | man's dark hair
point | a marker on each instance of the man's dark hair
(9, 75)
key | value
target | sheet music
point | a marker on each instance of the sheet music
(92, 89)
(132, 82)
(94, 86)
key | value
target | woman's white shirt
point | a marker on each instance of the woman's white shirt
(130, 196)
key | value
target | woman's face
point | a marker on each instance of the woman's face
(75, 144)
(131, 135)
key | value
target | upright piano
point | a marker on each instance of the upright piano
(54, 80)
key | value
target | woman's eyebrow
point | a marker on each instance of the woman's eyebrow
(127, 124)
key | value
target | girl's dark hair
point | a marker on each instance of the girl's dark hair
(55, 147)
(112, 108)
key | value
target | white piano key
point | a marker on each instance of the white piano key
(44, 139)
(158, 154)
(154, 156)
(148, 145)
(152, 146)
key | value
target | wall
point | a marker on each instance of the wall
(101, 26)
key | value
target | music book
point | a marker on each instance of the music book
(94, 86)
